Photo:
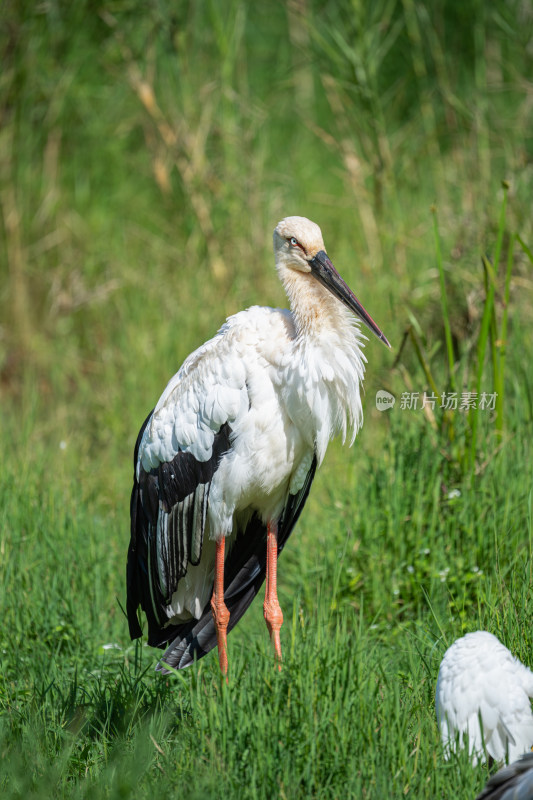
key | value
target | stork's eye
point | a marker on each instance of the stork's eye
(293, 241)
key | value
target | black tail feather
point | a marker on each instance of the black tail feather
(136, 582)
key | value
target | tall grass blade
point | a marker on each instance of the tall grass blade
(488, 320)
(444, 302)
(481, 351)
(527, 250)
(499, 382)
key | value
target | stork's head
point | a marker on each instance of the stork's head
(296, 240)
(299, 247)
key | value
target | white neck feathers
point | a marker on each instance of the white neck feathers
(325, 391)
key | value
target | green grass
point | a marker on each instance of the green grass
(383, 573)
(145, 157)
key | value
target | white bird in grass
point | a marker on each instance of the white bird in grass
(484, 691)
(224, 463)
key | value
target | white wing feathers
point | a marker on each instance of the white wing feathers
(481, 682)
(208, 391)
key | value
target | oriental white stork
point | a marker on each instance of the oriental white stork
(224, 463)
(484, 691)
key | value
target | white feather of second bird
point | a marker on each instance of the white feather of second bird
(484, 692)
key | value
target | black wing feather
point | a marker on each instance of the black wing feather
(136, 567)
(244, 574)
(512, 782)
(171, 488)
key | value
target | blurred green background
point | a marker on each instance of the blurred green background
(147, 151)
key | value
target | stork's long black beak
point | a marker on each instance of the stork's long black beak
(325, 272)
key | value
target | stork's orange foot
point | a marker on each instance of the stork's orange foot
(271, 606)
(221, 618)
(274, 620)
(219, 608)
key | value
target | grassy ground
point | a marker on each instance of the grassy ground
(145, 157)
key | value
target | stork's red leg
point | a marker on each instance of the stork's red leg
(219, 608)
(271, 607)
